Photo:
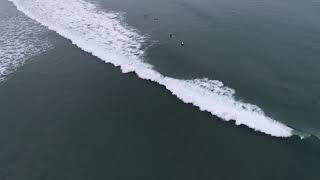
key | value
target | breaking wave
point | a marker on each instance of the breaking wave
(103, 35)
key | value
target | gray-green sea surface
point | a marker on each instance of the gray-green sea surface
(103, 89)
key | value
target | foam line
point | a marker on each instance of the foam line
(105, 36)
(19, 41)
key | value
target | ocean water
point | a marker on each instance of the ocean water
(99, 90)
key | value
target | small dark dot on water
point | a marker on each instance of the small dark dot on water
(156, 19)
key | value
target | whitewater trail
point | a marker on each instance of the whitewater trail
(103, 35)
(19, 41)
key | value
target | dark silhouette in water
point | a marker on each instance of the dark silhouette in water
(182, 43)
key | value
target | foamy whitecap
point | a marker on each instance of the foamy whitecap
(19, 41)
(103, 35)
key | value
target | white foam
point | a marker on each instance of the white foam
(19, 41)
(103, 35)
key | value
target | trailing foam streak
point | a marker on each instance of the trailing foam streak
(103, 35)
(19, 41)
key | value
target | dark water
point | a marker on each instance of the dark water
(66, 114)
(267, 51)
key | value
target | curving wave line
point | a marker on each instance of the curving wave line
(103, 35)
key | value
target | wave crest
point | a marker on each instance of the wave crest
(103, 35)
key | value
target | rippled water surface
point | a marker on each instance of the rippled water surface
(99, 90)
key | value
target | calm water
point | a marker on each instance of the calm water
(66, 114)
